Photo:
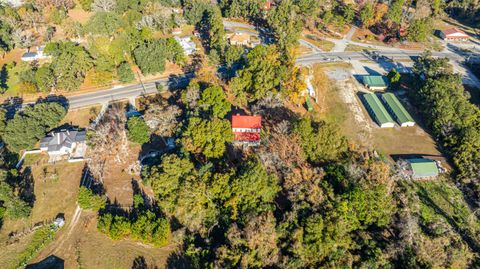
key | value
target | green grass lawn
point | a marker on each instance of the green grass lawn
(324, 45)
(351, 47)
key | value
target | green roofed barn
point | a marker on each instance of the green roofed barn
(398, 111)
(423, 167)
(375, 83)
(378, 111)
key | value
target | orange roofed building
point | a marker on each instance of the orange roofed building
(246, 129)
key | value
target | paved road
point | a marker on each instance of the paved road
(132, 91)
(121, 93)
(347, 56)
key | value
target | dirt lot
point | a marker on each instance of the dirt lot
(341, 104)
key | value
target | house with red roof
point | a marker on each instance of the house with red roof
(453, 34)
(246, 129)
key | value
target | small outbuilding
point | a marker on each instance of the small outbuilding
(34, 56)
(423, 168)
(246, 129)
(378, 111)
(375, 83)
(453, 34)
(187, 44)
(398, 111)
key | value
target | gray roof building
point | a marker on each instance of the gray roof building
(62, 142)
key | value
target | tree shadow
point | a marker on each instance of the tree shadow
(26, 186)
(140, 263)
(178, 260)
(3, 78)
(54, 99)
(51, 262)
(12, 105)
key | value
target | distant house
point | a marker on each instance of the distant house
(453, 34)
(65, 143)
(246, 129)
(187, 44)
(33, 56)
(375, 83)
(176, 31)
(423, 168)
(397, 110)
(243, 39)
(378, 111)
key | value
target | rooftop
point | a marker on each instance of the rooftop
(397, 108)
(375, 81)
(65, 138)
(423, 167)
(247, 122)
(377, 108)
(452, 31)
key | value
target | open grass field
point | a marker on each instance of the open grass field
(55, 190)
(324, 45)
(81, 117)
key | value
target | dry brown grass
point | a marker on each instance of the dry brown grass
(80, 15)
(85, 247)
(81, 117)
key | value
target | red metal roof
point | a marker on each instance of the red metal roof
(248, 122)
(247, 137)
(451, 31)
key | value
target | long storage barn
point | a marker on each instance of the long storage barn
(378, 111)
(375, 83)
(398, 111)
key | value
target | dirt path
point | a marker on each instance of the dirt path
(71, 227)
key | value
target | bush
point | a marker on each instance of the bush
(138, 131)
(146, 227)
(125, 73)
(88, 200)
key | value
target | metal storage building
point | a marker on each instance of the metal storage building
(398, 111)
(375, 82)
(423, 167)
(378, 111)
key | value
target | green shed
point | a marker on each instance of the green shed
(378, 111)
(308, 104)
(422, 167)
(397, 110)
(375, 82)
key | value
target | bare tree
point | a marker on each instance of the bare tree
(103, 5)
(108, 140)
(23, 39)
(162, 119)
(65, 4)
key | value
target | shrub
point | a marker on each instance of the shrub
(88, 200)
(138, 131)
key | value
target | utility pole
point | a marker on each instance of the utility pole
(141, 82)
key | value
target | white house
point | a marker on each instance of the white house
(32, 56)
(454, 34)
(65, 143)
(187, 44)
